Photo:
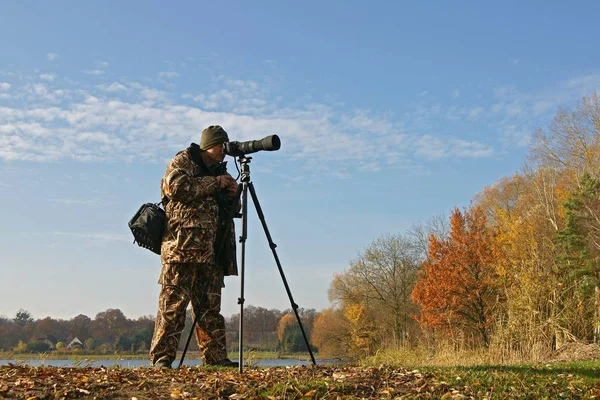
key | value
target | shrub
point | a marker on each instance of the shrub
(38, 346)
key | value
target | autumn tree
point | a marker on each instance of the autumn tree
(290, 335)
(572, 141)
(419, 233)
(331, 333)
(260, 328)
(524, 212)
(52, 329)
(80, 326)
(10, 334)
(374, 293)
(109, 324)
(458, 287)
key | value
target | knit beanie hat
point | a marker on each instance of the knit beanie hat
(212, 136)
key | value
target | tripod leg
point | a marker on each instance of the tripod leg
(225, 237)
(187, 343)
(287, 288)
(242, 272)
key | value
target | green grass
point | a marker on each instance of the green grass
(535, 381)
(549, 381)
(473, 373)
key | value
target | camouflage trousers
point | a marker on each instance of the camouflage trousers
(183, 283)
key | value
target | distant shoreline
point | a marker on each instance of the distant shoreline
(143, 356)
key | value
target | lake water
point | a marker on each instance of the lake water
(146, 363)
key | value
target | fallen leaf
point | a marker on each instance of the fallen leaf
(338, 377)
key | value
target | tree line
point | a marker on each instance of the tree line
(109, 331)
(112, 332)
(516, 273)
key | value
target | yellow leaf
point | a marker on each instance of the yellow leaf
(310, 393)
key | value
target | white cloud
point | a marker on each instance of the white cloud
(131, 121)
(96, 72)
(4, 86)
(361, 120)
(116, 87)
(168, 74)
(507, 107)
(42, 93)
(221, 98)
(464, 148)
(242, 85)
(102, 64)
(52, 56)
(238, 96)
(517, 134)
(474, 113)
(424, 93)
(430, 147)
(47, 77)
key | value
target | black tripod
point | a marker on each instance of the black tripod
(242, 193)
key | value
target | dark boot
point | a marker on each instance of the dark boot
(226, 362)
(162, 364)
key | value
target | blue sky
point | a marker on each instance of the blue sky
(389, 113)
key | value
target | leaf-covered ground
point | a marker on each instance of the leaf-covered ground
(575, 382)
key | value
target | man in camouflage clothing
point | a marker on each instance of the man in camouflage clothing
(197, 193)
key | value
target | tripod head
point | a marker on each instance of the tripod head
(245, 168)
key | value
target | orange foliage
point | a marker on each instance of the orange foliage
(331, 333)
(286, 320)
(458, 285)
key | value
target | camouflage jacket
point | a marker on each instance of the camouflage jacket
(192, 199)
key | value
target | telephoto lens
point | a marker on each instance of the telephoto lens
(235, 149)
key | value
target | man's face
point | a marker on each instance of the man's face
(220, 152)
(216, 153)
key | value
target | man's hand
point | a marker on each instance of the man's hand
(227, 183)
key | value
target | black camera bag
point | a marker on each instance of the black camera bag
(148, 226)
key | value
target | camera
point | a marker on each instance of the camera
(236, 149)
